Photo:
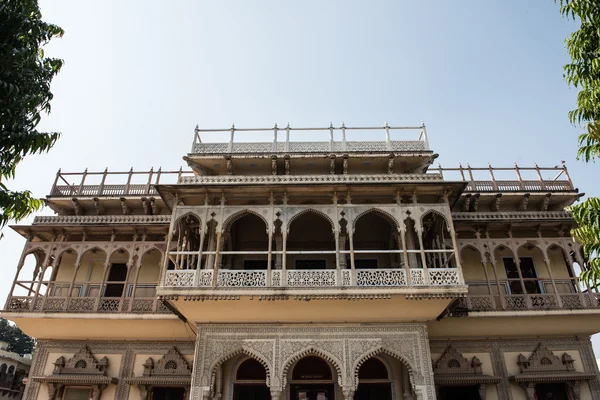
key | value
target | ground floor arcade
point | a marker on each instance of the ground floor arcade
(315, 362)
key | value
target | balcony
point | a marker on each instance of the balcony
(82, 304)
(366, 252)
(528, 179)
(326, 278)
(537, 302)
(112, 184)
(88, 277)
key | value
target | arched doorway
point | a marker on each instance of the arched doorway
(312, 379)
(373, 381)
(251, 381)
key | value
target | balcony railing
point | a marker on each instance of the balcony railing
(112, 184)
(87, 304)
(419, 141)
(544, 180)
(325, 278)
(518, 302)
(55, 299)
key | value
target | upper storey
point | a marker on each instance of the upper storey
(381, 153)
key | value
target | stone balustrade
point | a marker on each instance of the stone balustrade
(325, 278)
(86, 304)
(518, 302)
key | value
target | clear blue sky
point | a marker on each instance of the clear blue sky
(485, 76)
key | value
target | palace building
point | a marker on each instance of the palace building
(295, 270)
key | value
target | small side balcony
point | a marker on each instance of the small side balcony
(112, 277)
(311, 255)
(524, 274)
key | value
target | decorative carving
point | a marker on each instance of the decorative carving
(82, 363)
(380, 277)
(181, 278)
(308, 179)
(241, 278)
(309, 147)
(311, 278)
(171, 364)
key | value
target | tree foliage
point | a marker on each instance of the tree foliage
(583, 72)
(25, 77)
(18, 342)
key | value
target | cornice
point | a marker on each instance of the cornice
(101, 219)
(512, 215)
(309, 179)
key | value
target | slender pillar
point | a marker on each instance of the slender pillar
(405, 256)
(352, 262)
(423, 258)
(552, 281)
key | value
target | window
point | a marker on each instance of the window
(255, 264)
(311, 264)
(527, 270)
(77, 394)
(365, 264)
(118, 273)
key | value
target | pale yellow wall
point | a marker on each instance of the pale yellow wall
(512, 368)
(114, 366)
(150, 268)
(486, 367)
(485, 358)
(66, 267)
(140, 359)
(473, 271)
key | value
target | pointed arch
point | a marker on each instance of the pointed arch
(416, 378)
(316, 352)
(238, 352)
(383, 214)
(120, 250)
(241, 214)
(310, 211)
(532, 245)
(188, 214)
(438, 213)
(471, 247)
(502, 247)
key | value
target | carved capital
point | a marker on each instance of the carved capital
(276, 393)
(348, 392)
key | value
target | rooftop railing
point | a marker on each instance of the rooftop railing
(419, 142)
(525, 179)
(118, 183)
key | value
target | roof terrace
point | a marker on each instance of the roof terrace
(417, 143)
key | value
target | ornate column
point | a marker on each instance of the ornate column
(406, 392)
(348, 392)
(419, 232)
(276, 393)
(529, 390)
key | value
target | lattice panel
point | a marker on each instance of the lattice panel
(205, 278)
(180, 278)
(443, 276)
(276, 278)
(346, 277)
(417, 276)
(516, 302)
(142, 305)
(55, 304)
(572, 301)
(82, 304)
(109, 305)
(314, 278)
(381, 277)
(543, 301)
(20, 303)
(230, 278)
